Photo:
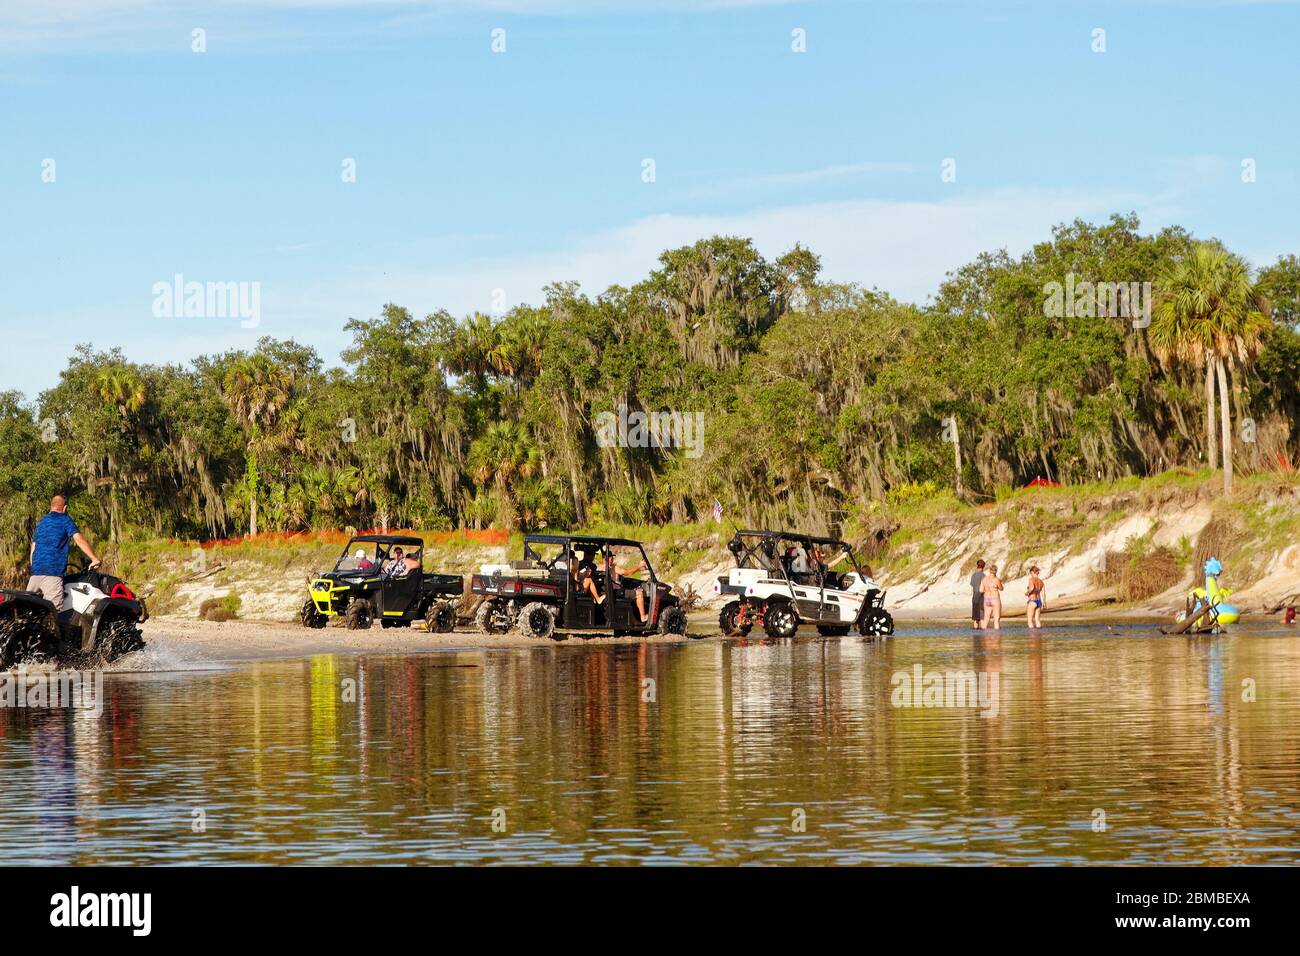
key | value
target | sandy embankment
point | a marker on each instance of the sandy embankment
(944, 589)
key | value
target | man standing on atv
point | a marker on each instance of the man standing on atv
(49, 555)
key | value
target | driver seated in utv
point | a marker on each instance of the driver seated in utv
(576, 583)
(381, 577)
(783, 579)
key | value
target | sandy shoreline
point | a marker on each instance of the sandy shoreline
(245, 640)
(191, 641)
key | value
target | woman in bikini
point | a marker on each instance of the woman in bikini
(1034, 609)
(991, 588)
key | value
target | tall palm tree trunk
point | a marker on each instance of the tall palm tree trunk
(252, 476)
(114, 514)
(1225, 420)
(956, 454)
(1249, 452)
(1211, 444)
(507, 504)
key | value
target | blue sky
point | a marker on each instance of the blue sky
(479, 171)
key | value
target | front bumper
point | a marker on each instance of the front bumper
(325, 594)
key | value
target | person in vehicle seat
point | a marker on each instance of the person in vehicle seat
(818, 568)
(364, 563)
(412, 563)
(799, 564)
(586, 563)
(585, 576)
(396, 568)
(618, 575)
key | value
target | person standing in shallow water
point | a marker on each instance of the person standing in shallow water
(1034, 609)
(976, 597)
(991, 587)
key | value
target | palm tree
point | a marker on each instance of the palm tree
(517, 350)
(503, 455)
(258, 390)
(1209, 314)
(471, 349)
(121, 388)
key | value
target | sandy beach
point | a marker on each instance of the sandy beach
(180, 641)
(229, 641)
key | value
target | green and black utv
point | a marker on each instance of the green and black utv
(381, 577)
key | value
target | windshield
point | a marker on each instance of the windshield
(628, 562)
(371, 557)
(544, 554)
(793, 556)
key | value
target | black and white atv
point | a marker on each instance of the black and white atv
(100, 622)
(783, 579)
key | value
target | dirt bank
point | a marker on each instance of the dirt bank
(1072, 534)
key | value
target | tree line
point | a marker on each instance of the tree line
(819, 398)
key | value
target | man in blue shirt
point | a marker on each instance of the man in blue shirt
(50, 551)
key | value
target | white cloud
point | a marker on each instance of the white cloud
(904, 248)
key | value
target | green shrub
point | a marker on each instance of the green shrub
(221, 608)
(911, 492)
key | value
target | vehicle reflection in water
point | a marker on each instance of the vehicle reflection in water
(704, 752)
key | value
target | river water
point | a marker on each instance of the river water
(1090, 745)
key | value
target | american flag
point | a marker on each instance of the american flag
(717, 510)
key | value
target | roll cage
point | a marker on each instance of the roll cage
(579, 578)
(764, 551)
(379, 551)
(570, 547)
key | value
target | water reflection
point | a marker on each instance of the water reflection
(707, 752)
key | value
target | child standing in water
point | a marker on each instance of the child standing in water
(1034, 609)
(991, 588)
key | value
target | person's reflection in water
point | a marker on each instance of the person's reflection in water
(54, 788)
(1036, 648)
(1037, 699)
(988, 661)
(1214, 676)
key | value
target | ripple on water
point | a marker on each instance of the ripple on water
(721, 752)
